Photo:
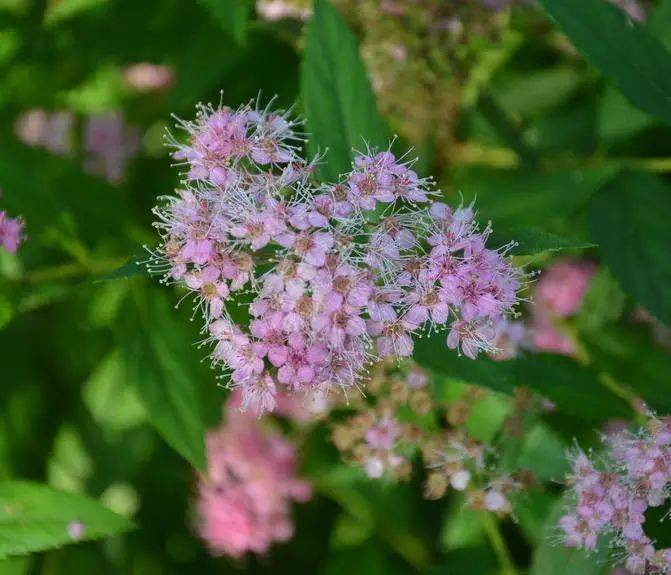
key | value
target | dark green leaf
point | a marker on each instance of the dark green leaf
(620, 48)
(157, 364)
(527, 198)
(572, 388)
(659, 22)
(133, 267)
(529, 242)
(339, 103)
(631, 358)
(231, 15)
(629, 221)
(35, 517)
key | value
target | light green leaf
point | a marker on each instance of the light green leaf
(159, 367)
(60, 10)
(603, 303)
(629, 220)
(69, 464)
(339, 103)
(620, 48)
(34, 517)
(113, 403)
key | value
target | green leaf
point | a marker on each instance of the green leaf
(339, 104)
(552, 558)
(231, 15)
(200, 67)
(133, 267)
(528, 198)
(531, 511)
(659, 22)
(629, 221)
(34, 517)
(620, 48)
(69, 465)
(62, 10)
(529, 241)
(158, 366)
(543, 453)
(113, 403)
(16, 565)
(603, 303)
(574, 389)
(631, 358)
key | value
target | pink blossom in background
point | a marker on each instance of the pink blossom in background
(11, 232)
(109, 143)
(632, 8)
(273, 10)
(244, 500)
(51, 131)
(147, 77)
(559, 294)
(563, 285)
(546, 337)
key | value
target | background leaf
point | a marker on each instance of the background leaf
(153, 345)
(231, 15)
(629, 221)
(573, 388)
(620, 48)
(34, 517)
(339, 104)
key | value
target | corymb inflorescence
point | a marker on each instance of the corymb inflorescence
(335, 275)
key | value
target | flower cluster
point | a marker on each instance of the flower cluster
(245, 497)
(342, 274)
(614, 495)
(396, 420)
(375, 438)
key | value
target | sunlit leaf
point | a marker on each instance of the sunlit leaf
(34, 517)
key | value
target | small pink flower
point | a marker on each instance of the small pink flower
(11, 232)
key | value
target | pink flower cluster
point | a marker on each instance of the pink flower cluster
(245, 498)
(342, 274)
(614, 496)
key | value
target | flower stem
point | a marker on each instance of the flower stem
(498, 543)
(72, 270)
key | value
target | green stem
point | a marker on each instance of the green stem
(498, 543)
(72, 270)
(506, 127)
